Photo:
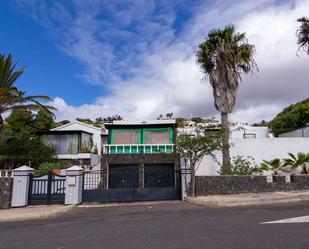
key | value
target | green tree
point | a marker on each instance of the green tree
(197, 119)
(44, 121)
(85, 120)
(303, 34)
(18, 150)
(180, 122)
(223, 57)
(12, 98)
(290, 118)
(62, 122)
(20, 122)
(20, 143)
(300, 160)
(195, 148)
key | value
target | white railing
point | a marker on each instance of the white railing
(6, 173)
(137, 148)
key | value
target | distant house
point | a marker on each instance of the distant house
(244, 130)
(77, 143)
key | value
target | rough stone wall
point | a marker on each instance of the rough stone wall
(5, 192)
(216, 185)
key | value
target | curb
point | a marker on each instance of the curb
(210, 202)
(33, 213)
(122, 204)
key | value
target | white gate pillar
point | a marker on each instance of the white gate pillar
(21, 179)
(74, 185)
(185, 176)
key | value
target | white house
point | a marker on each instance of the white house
(77, 143)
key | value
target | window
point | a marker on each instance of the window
(126, 136)
(157, 136)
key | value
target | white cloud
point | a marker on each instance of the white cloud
(156, 73)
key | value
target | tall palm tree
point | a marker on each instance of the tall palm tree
(301, 160)
(223, 57)
(12, 98)
(303, 34)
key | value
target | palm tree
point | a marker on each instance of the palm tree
(223, 57)
(12, 98)
(274, 166)
(301, 160)
(303, 34)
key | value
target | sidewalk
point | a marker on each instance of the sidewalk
(249, 199)
(32, 212)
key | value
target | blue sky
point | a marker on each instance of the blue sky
(136, 58)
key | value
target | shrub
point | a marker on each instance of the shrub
(242, 166)
(46, 167)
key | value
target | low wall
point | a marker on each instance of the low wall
(5, 192)
(221, 185)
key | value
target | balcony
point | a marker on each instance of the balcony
(137, 148)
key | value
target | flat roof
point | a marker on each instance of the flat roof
(145, 123)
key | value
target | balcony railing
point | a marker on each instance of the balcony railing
(137, 148)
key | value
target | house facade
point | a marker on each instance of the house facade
(77, 143)
(137, 163)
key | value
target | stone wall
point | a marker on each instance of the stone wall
(216, 185)
(5, 192)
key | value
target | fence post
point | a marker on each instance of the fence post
(74, 185)
(21, 180)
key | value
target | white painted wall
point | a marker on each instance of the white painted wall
(259, 148)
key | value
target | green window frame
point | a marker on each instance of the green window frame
(171, 132)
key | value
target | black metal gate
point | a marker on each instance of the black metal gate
(46, 189)
(131, 183)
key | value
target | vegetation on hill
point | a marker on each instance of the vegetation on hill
(290, 118)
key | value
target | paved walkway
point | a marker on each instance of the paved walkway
(32, 212)
(249, 199)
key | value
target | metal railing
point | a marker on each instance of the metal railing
(6, 173)
(137, 148)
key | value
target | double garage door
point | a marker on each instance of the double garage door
(129, 182)
(152, 176)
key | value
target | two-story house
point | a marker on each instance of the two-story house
(138, 163)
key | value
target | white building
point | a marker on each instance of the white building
(77, 143)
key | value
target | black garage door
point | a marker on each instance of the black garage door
(128, 182)
(123, 176)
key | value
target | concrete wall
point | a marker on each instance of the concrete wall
(5, 192)
(303, 132)
(259, 148)
(214, 185)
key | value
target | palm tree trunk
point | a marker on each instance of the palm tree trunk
(226, 160)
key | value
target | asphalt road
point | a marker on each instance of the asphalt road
(165, 225)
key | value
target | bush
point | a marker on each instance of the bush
(242, 166)
(46, 167)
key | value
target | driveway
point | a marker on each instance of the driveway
(164, 225)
